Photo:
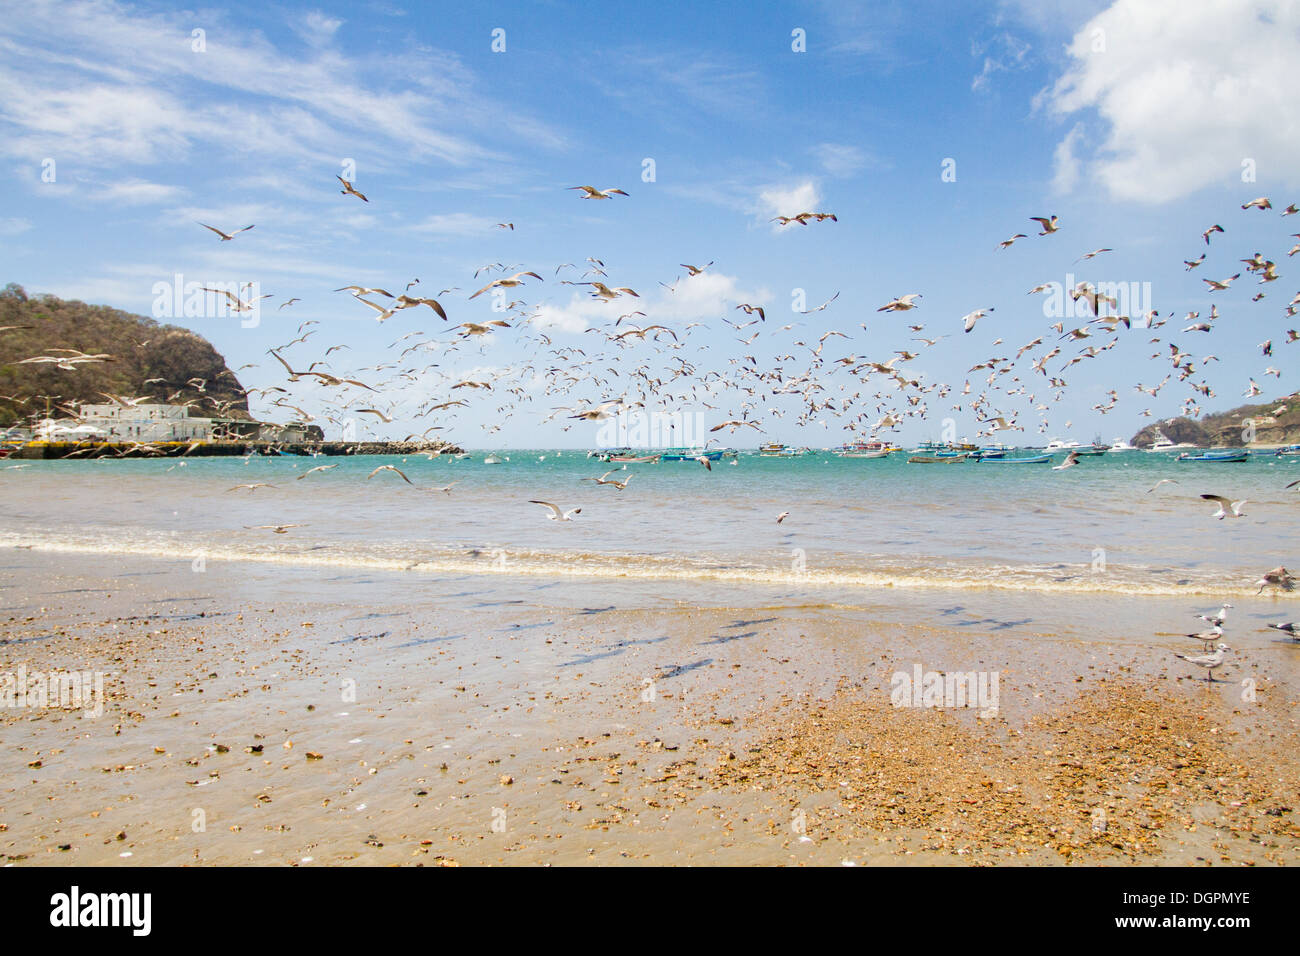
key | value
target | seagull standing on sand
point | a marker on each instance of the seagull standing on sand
(1208, 661)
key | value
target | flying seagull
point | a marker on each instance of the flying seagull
(225, 236)
(556, 514)
(1227, 507)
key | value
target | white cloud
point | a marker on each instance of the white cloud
(1066, 162)
(1005, 52)
(453, 224)
(788, 200)
(839, 159)
(1189, 91)
(702, 298)
(136, 192)
(14, 226)
(102, 81)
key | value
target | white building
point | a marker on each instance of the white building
(148, 423)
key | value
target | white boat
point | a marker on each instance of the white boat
(1120, 444)
(1057, 444)
(1162, 443)
(491, 460)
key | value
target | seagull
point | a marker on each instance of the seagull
(445, 489)
(1163, 481)
(348, 189)
(556, 514)
(1208, 637)
(1279, 577)
(1207, 233)
(225, 236)
(591, 192)
(782, 516)
(1291, 627)
(696, 270)
(1217, 286)
(970, 318)
(252, 487)
(276, 528)
(1261, 204)
(1208, 661)
(606, 480)
(317, 468)
(901, 304)
(514, 280)
(389, 468)
(1226, 507)
(1049, 225)
(1071, 460)
(1216, 620)
(1007, 243)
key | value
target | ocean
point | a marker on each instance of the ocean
(855, 525)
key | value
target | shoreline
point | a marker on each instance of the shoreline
(515, 721)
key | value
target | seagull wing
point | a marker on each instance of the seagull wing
(555, 510)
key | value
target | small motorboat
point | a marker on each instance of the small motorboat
(1035, 460)
(691, 454)
(932, 460)
(1215, 456)
(634, 459)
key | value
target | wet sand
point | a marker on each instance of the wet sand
(290, 716)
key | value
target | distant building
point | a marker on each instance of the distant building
(152, 423)
(146, 423)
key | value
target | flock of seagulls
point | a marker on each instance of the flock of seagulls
(654, 366)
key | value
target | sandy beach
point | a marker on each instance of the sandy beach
(484, 719)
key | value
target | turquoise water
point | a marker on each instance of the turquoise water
(853, 522)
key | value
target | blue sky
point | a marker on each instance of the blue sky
(1131, 121)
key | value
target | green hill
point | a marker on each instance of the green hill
(1276, 422)
(142, 349)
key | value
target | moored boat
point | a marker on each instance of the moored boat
(863, 449)
(1034, 460)
(936, 459)
(634, 459)
(775, 449)
(1216, 456)
(691, 454)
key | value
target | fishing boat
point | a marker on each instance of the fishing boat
(863, 449)
(691, 454)
(1120, 444)
(775, 449)
(1289, 451)
(1034, 460)
(1096, 448)
(935, 459)
(1216, 456)
(492, 460)
(634, 459)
